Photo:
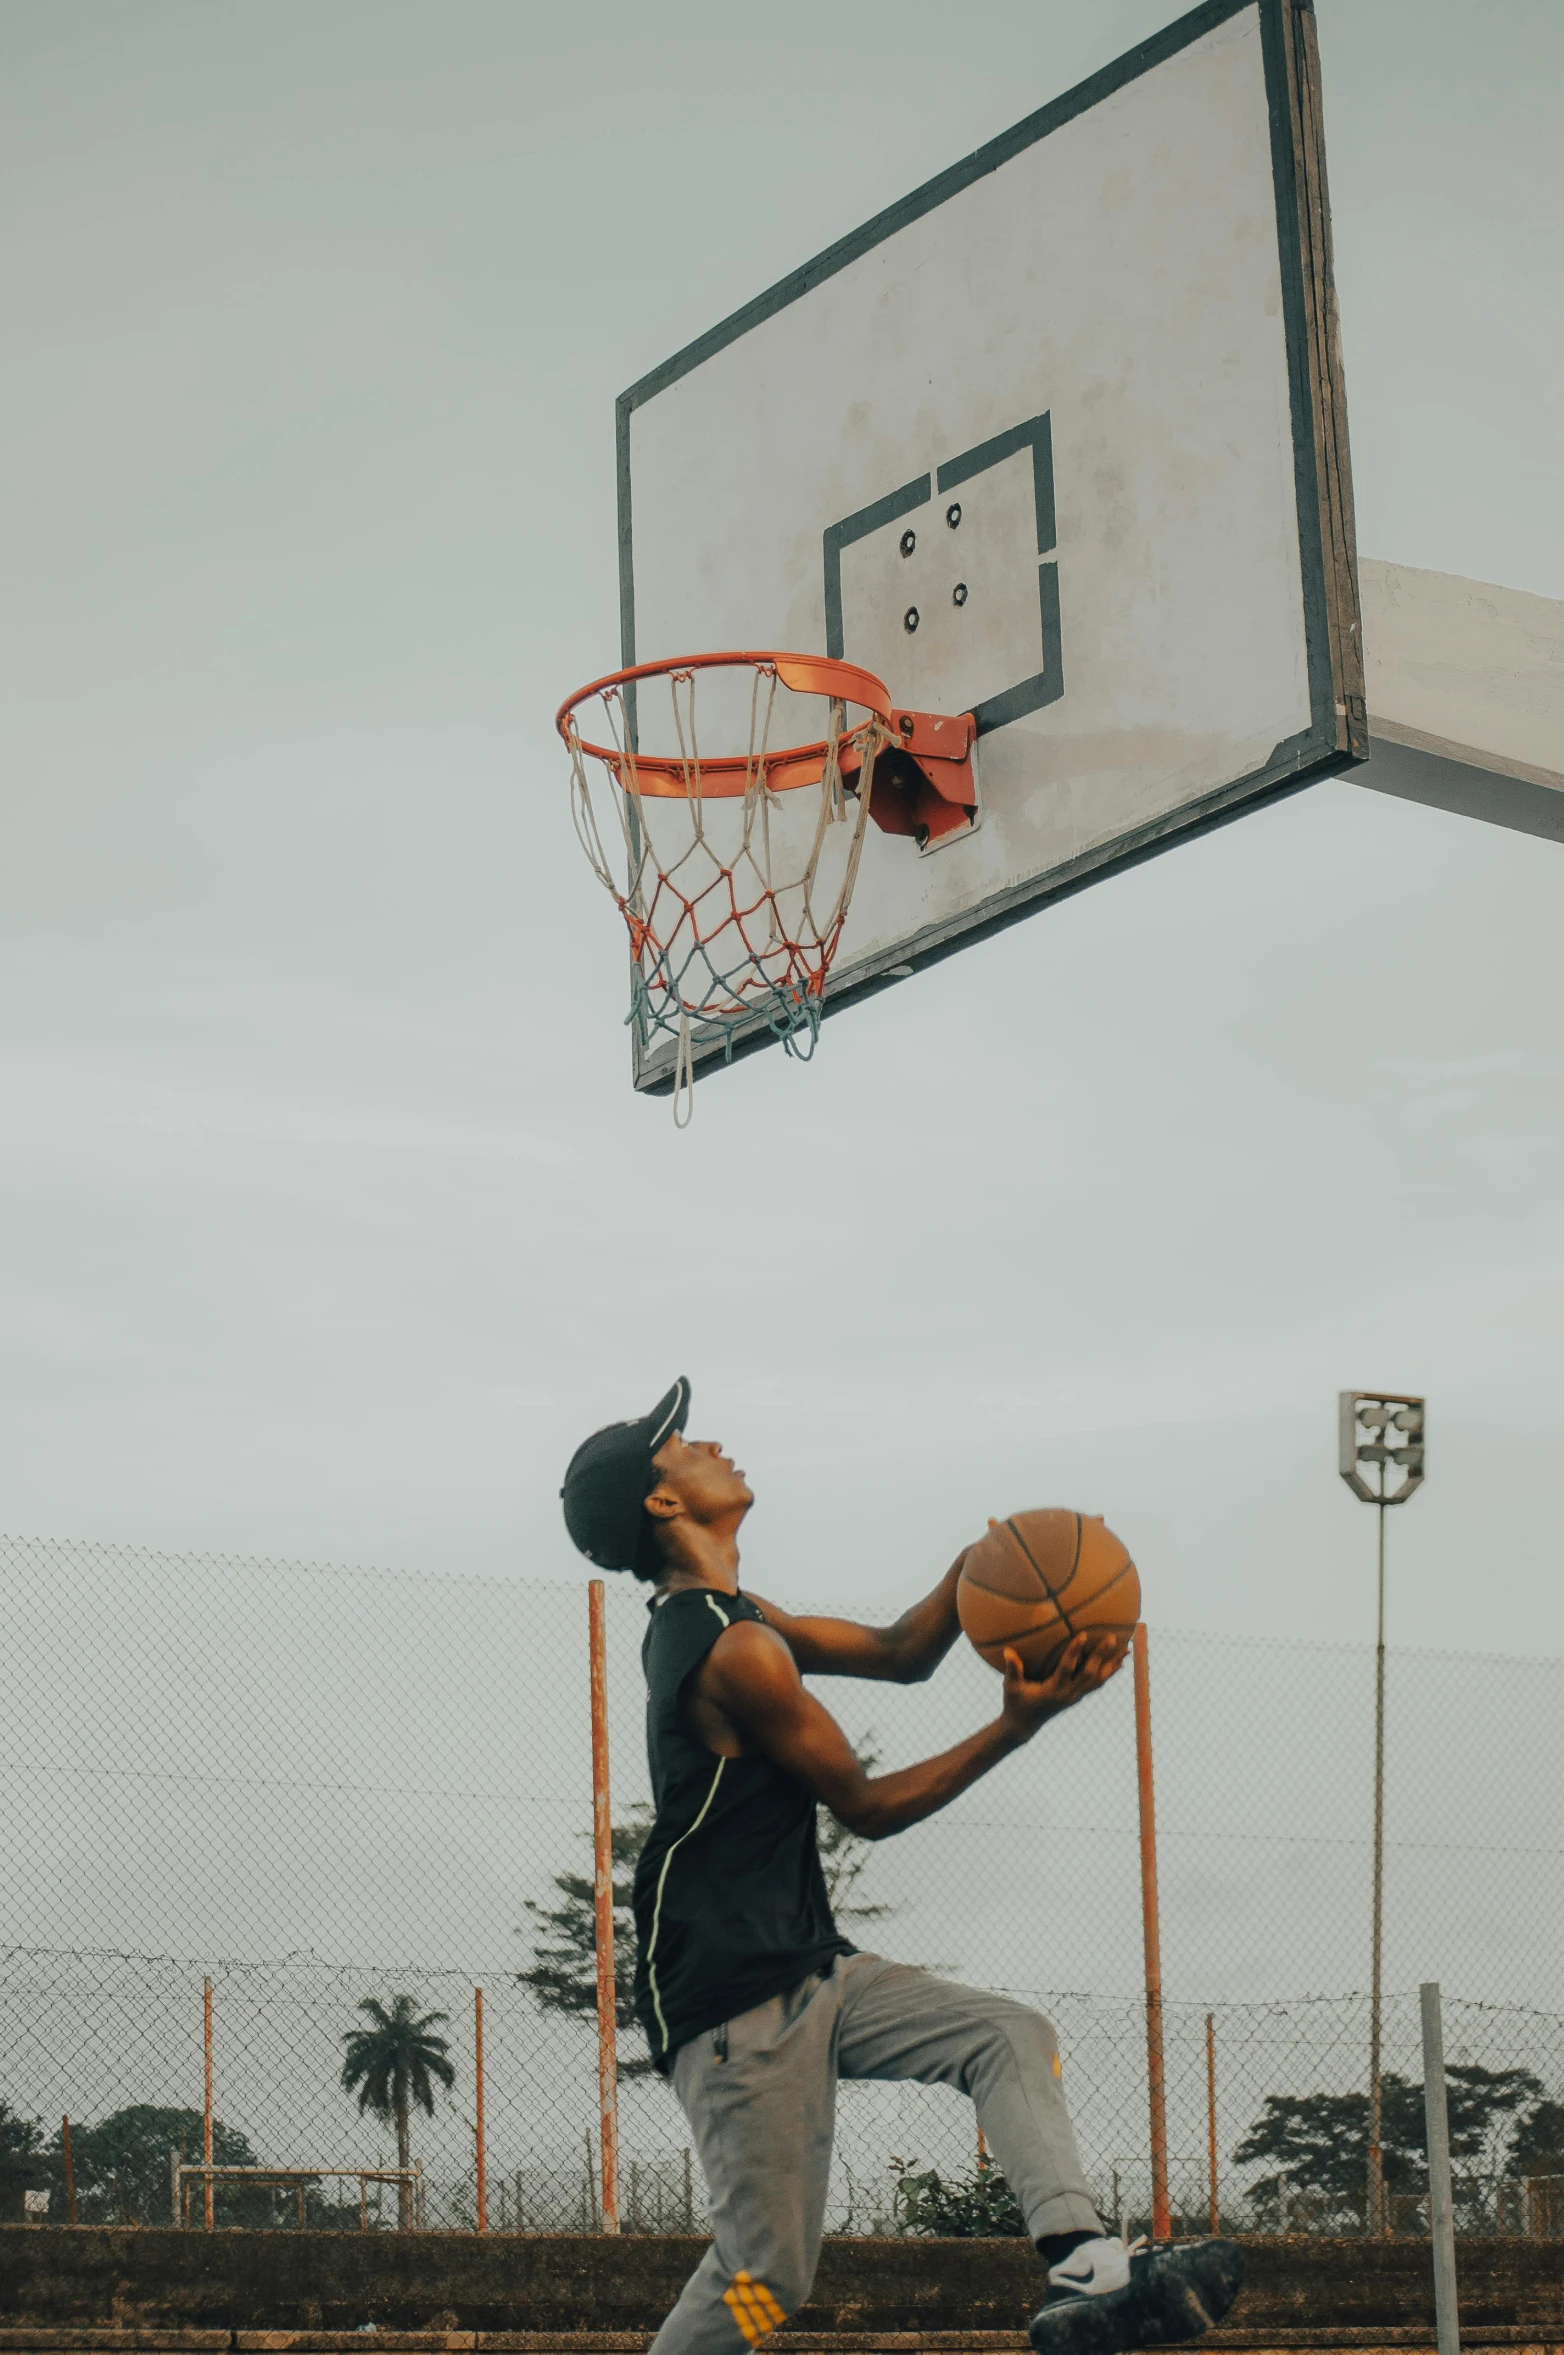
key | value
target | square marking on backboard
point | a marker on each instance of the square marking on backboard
(938, 589)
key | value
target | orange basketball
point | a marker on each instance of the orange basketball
(1040, 1578)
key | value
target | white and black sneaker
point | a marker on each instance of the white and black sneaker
(1105, 2298)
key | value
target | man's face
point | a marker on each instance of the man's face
(704, 1480)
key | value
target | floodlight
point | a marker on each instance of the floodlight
(1365, 1418)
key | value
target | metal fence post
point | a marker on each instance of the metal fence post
(1216, 2206)
(206, 2107)
(1156, 2088)
(481, 2187)
(1441, 2196)
(603, 1895)
(70, 2170)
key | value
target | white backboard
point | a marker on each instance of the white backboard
(1060, 440)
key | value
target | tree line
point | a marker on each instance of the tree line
(120, 2166)
(393, 2065)
(1503, 2126)
(1312, 2148)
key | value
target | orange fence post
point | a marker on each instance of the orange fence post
(603, 1915)
(478, 2135)
(206, 2108)
(1216, 2206)
(1156, 2085)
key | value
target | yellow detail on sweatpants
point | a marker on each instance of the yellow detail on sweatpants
(1058, 2066)
(753, 2307)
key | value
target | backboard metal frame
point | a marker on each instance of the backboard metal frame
(1336, 737)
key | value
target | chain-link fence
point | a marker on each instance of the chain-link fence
(323, 1789)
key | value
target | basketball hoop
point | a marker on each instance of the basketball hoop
(734, 897)
(739, 866)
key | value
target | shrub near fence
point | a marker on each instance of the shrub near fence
(319, 1787)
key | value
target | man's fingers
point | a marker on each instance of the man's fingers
(1088, 1659)
(1085, 1663)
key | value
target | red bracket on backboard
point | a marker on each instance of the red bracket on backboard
(923, 782)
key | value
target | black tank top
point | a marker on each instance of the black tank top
(730, 1901)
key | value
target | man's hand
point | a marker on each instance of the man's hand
(1086, 1663)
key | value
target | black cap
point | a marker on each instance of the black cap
(610, 1478)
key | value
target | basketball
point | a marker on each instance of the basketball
(1040, 1578)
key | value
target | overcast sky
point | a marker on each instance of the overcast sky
(330, 1219)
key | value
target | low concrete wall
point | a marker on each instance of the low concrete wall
(62, 2277)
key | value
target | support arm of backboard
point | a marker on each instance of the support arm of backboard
(1466, 692)
(923, 780)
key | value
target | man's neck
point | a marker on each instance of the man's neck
(713, 1563)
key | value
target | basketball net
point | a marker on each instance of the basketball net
(739, 867)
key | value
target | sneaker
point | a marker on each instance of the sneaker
(1105, 2298)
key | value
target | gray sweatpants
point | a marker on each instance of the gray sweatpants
(763, 2119)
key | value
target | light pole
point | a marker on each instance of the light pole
(1380, 1457)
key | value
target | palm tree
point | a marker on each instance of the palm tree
(392, 2065)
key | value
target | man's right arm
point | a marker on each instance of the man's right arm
(749, 1680)
(906, 1652)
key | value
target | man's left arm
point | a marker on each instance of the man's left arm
(906, 1652)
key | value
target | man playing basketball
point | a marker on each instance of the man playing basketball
(752, 2001)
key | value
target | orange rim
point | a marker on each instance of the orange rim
(729, 774)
